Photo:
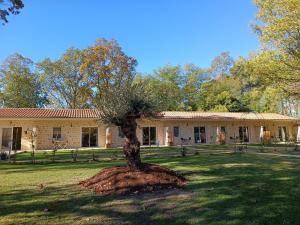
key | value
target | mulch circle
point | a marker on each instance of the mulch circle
(124, 180)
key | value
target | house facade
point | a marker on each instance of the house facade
(20, 129)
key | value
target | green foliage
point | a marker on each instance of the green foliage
(278, 24)
(20, 85)
(194, 78)
(278, 27)
(176, 87)
(225, 87)
(277, 70)
(103, 76)
(255, 93)
(271, 99)
(222, 94)
(164, 85)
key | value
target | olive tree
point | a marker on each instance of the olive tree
(120, 101)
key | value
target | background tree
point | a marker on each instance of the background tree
(176, 86)
(221, 65)
(105, 65)
(254, 92)
(67, 87)
(278, 27)
(20, 85)
(9, 7)
(227, 85)
(222, 94)
(195, 77)
(164, 84)
(119, 100)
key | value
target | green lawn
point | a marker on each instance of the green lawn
(224, 188)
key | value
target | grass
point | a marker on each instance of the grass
(224, 188)
(108, 154)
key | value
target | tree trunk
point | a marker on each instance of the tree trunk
(131, 147)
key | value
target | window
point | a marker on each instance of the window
(121, 134)
(176, 131)
(56, 133)
(89, 136)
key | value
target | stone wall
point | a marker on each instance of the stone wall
(25, 140)
(71, 131)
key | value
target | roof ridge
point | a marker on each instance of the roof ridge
(94, 114)
(47, 109)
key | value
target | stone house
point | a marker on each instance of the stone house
(81, 128)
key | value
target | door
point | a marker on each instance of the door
(93, 136)
(176, 134)
(146, 136)
(149, 135)
(202, 135)
(199, 135)
(282, 133)
(244, 134)
(213, 135)
(17, 135)
(222, 137)
(6, 139)
(89, 137)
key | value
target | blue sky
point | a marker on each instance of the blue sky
(155, 32)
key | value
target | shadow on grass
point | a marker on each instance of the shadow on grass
(57, 166)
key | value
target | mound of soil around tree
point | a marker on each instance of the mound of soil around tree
(124, 180)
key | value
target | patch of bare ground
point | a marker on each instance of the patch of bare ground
(124, 180)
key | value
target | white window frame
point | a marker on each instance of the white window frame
(55, 138)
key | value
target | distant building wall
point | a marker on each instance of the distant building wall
(71, 131)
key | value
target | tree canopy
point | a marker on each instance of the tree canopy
(20, 85)
(278, 28)
(62, 80)
(221, 65)
(176, 86)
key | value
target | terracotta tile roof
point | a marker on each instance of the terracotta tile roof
(225, 116)
(48, 113)
(168, 115)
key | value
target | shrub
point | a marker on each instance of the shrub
(3, 156)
